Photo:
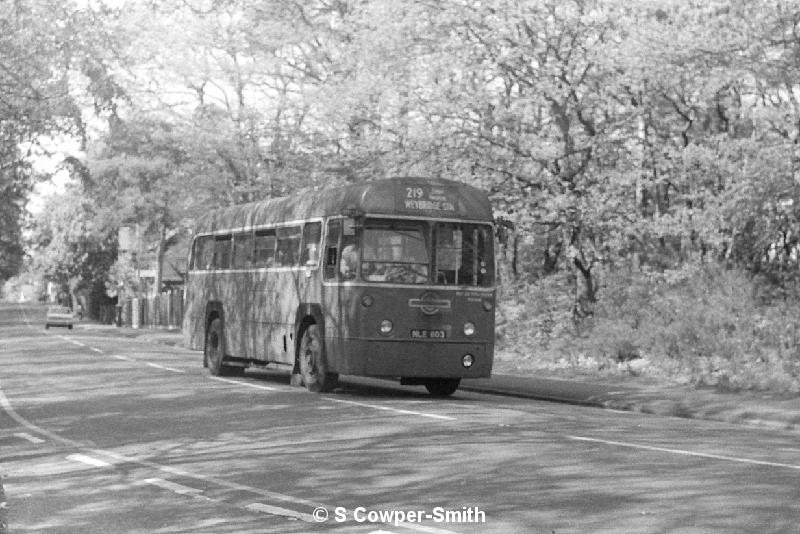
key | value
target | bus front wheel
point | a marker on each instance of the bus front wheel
(442, 387)
(215, 351)
(313, 367)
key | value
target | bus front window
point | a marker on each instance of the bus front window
(463, 254)
(395, 252)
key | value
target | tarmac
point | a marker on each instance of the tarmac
(636, 394)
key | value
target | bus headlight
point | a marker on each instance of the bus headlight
(487, 305)
(467, 360)
(367, 301)
(469, 329)
(386, 326)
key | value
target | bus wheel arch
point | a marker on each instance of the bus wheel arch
(310, 360)
(214, 347)
(213, 312)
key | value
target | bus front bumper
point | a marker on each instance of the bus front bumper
(408, 359)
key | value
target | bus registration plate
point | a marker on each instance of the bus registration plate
(420, 333)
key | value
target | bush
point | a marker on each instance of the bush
(704, 325)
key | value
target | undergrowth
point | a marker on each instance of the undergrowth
(703, 325)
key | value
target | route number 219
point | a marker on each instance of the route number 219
(414, 192)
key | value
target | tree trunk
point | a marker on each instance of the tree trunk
(162, 238)
(585, 291)
(155, 312)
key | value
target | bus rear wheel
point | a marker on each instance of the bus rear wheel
(442, 387)
(214, 353)
(313, 367)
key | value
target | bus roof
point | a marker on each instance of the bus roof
(417, 197)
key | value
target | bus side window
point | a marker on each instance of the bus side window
(203, 256)
(485, 262)
(448, 244)
(288, 253)
(332, 248)
(222, 252)
(242, 251)
(312, 233)
(348, 262)
(264, 253)
(470, 256)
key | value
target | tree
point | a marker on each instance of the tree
(32, 98)
(72, 243)
(140, 177)
(43, 44)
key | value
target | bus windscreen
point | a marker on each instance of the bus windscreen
(427, 253)
(396, 253)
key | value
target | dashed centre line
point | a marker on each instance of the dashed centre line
(29, 437)
(247, 384)
(268, 388)
(174, 487)
(123, 358)
(395, 410)
(88, 460)
(683, 452)
(277, 510)
(164, 367)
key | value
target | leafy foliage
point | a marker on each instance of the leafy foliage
(42, 44)
(700, 325)
(645, 138)
(73, 246)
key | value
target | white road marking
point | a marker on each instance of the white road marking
(239, 383)
(6, 405)
(95, 462)
(549, 379)
(686, 453)
(396, 410)
(96, 350)
(180, 489)
(423, 528)
(120, 458)
(29, 437)
(365, 405)
(123, 358)
(164, 367)
(277, 510)
(88, 460)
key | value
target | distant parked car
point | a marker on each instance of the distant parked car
(59, 316)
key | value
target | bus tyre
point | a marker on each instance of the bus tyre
(215, 350)
(313, 367)
(442, 387)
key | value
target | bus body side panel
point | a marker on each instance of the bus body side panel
(233, 288)
(271, 296)
(257, 325)
(339, 306)
(309, 304)
(194, 328)
(421, 344)
(274, 302)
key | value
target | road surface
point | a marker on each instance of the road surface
(101, 433)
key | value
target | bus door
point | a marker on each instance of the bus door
(340, 263)
(308, 286)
